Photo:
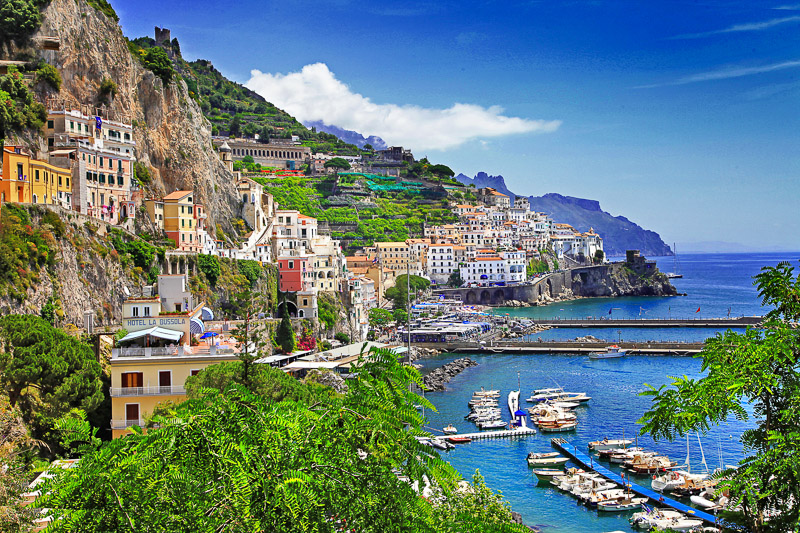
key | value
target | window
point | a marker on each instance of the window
(164, 381)
(131, 414)
(132, 379)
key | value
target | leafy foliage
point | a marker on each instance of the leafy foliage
(18, 19)
(209, 265)
(18, 109)
(236, 461)
(105, 8)
(399, 293)
(49, 74)
(46, 373)
(338, 163)
(758, 370)
(24, 251)
(156, 60)
(285, 335)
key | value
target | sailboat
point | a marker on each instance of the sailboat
(672, 480)
(674, 274)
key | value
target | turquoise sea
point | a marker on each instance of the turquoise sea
(714, 282)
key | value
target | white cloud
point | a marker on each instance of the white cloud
(725, 73)
(736, 28)
(314, 93)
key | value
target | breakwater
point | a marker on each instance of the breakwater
(438, 378)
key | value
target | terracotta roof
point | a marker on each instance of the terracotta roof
(177, 195)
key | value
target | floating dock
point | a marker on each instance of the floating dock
(505, 433)
(590, 463)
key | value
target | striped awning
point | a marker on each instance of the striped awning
(196, 326)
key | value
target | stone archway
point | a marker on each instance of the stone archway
(291, 307)
(497, 297)
(486, 298)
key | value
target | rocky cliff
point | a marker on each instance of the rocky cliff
(620, 279)
(172, 137)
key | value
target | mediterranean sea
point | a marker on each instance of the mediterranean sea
(717, 284)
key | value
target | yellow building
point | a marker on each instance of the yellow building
(153, 361)
(26, 180)
(180, 218)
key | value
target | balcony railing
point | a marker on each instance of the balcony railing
(147, 391)
(124, 424)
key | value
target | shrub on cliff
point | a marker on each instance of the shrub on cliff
(18, 19)
(156, 60)
(49, 74)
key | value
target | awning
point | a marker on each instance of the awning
(196, 326)
(161, 333)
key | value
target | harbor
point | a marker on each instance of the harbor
(590, 463)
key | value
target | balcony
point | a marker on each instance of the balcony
(146, 391)
(125, 424)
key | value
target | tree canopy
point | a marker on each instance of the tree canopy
(46, 373)
(238, 462)
(757, 371)
(338, 163)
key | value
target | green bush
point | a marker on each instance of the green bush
(108, 89)
(105, 8)
(209, 265)
(49, 74)
(18, 19)
(156, 60)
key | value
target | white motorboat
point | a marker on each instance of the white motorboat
(664, 520)
(608, 443)
(546, 459)
(451, 429)
(612, 352)
(557, 427)
(627, 504)
(492, 424)
(672, 480)
(547, 474)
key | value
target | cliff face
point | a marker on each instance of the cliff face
(172, 136)
(618, 279)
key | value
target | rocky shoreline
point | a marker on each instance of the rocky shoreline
(438, 378)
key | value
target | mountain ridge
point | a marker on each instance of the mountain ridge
(618, 232)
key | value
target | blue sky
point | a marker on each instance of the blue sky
(682, 116)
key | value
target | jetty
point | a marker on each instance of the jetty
(588, 462)
(521, 347)
(602, 322)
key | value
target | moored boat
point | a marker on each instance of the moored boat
(546, 459)
(612, 352)
(547, 474)
(608, 443)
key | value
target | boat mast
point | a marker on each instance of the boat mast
(702, 454)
